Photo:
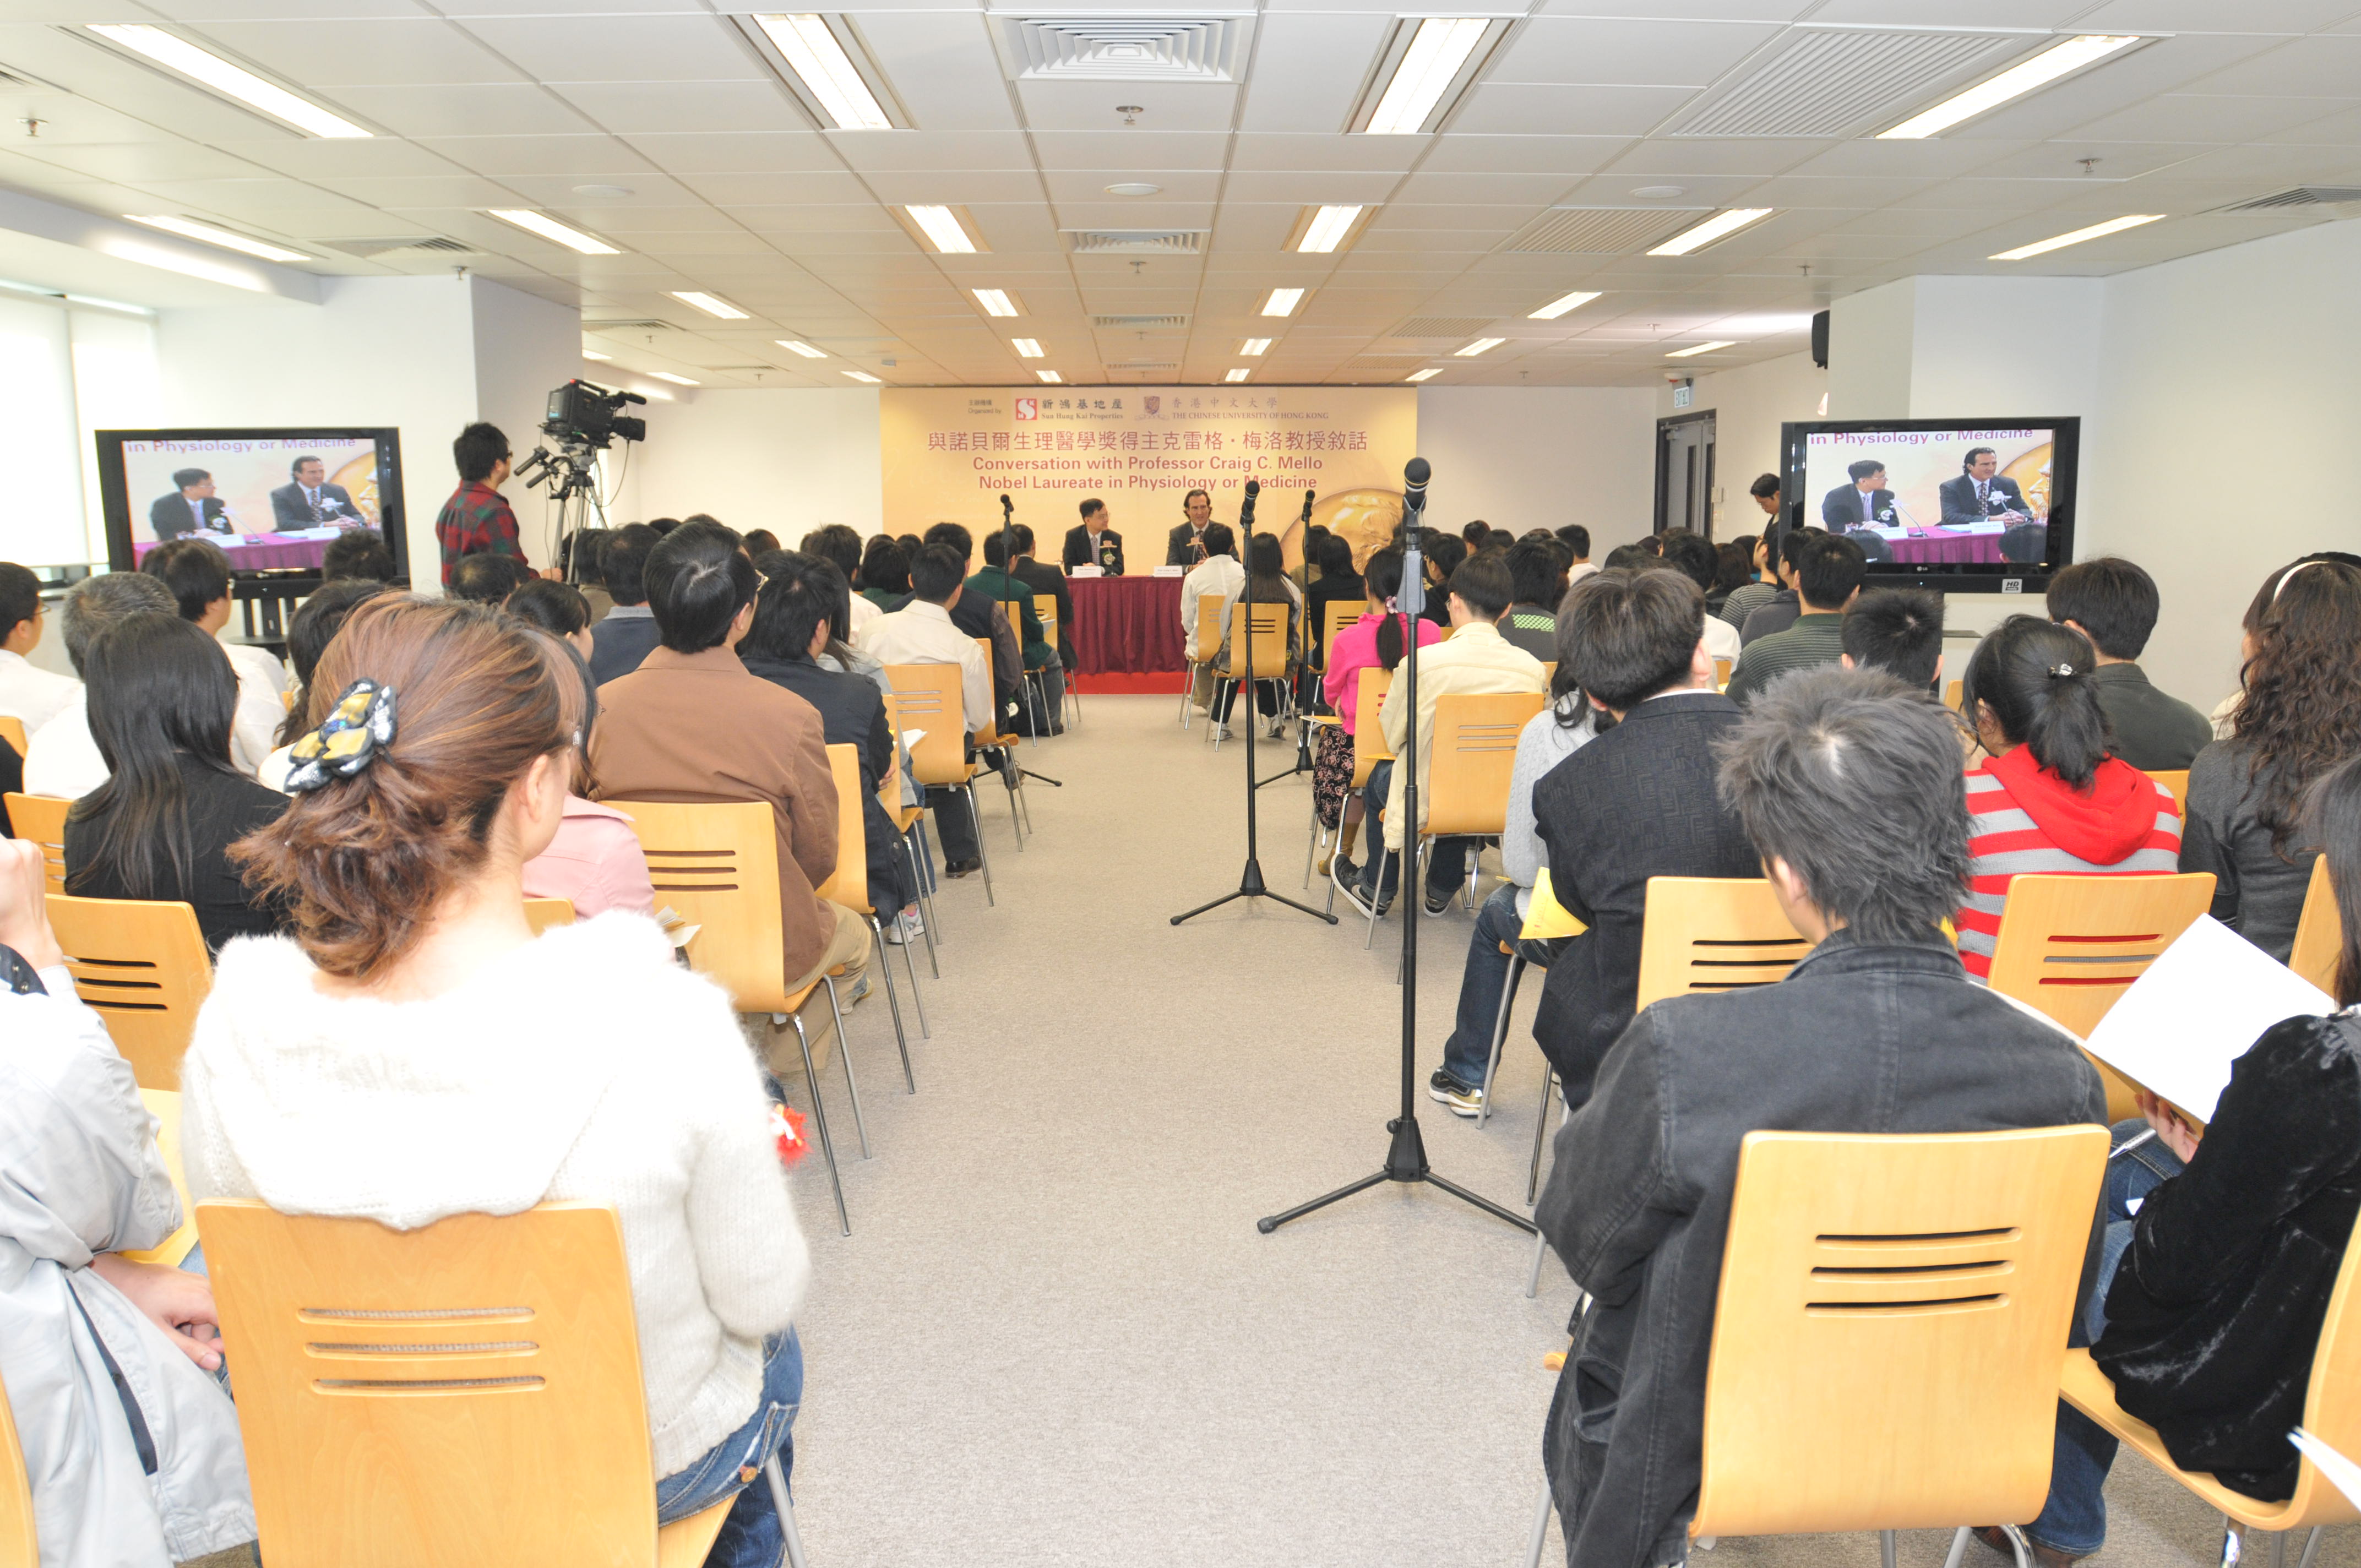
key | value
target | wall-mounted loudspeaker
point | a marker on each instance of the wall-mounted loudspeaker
(1820, 339)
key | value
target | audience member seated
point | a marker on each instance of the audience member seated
(1763, 586)
(1849, 786)
(2298, 716)
(1473, 661)
(558, 608)
(1785, 604)
(838, 543)
(691, 725)
(792, 628)
(1688, 553)
(1900, 631)
(197, 572)
(1636, 802)
(2050, 799)
(1733, 568)
(1531, 622)
(1044, 578)
(1827, 577)
(61, 757)
(313, 626)
(1628, 558)
(1266, 583)
(2223, 1243)
(595, 863)
(414, 1051)
(1356, 648)
(28, 693)
(160, 827)
(976, 615)
(923, 632)
(762, 540)
(80, 1182)
(1337, 580)
(626, 633)
(485, 579)
(1041, 706)
(2114, 602)
(581, 561)
(1577, 539)
(1444, 553)
(12, 782)
(359, 553)
(884, 574)
(1549, 738)
(1222, 575)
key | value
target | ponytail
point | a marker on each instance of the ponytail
(1392, 640)
(2036, 676)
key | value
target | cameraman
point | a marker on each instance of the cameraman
(477, 520)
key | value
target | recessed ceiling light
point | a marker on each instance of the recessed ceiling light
(815, 54)
(1327, 229)
(1478, 346)
(550, 228)
(1562, 304)
(862, 376)
(657, 393)
(796, 346)
(603, 193)
(594, 354)
(1422, 375)
(189, 228)
(675, 381)
(1254, 347)
(1240, 374)
(1437, 51)
(942, 227)
(1659, 193)
(1721, 226)
(1282, 302)
(1027, 348)
(2057, 242)
(170, 50)
(995, 302)
(712, 305)
(1699, 348)
(1048, 375)
(2059, 59)
(1133, 188)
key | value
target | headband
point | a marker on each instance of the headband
(2286, 575)
(356, 731)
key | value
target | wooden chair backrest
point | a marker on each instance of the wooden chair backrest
(1549, 674)
(1881, 1295)
(1713, 934)
(1269, 624)
(1208, 641)
(848, 884)
(541, 913)
(1334, 616)
(2319, 932)
(2332, 1401)
(1721, 668)
(12, 731)
(928, 697)
(464, 1394)
(1369, 731)
(2177, 781)
(889, 788)
(41, 820)
(1951, 693)
(1475, 753)
(2070, 946)
(1045, 607)
(17, 1546)
(990, 734)
(716, 863)
(143, 968)
(164, 1105)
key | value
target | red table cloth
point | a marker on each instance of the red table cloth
(1942, 548)
(1127, 625)
(262, 551)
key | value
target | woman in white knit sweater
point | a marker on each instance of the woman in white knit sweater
(414, 1051)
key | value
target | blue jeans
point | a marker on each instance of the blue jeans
(1444, 866)
(1469, 1050)
(2074, 1519)
(751, 1536)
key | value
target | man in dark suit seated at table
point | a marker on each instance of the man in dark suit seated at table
(1980, 494)
(1092, 542)
(193, 508)
(1185, 545)
(310, 500)
(1866, 500)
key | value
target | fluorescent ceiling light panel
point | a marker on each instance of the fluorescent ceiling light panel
(995, 302)
(1255, 347)
(1478, 346)
(828, 73)
(1327, 229)
(1282, 302)
(1721, 226)
(1048, 375)
(1562, 304)
(2058, 242)
(594, 354)
(179, 54)
(550, 228)
(796, 346)
(1699, 348)
(1027, 347)
(205, 234)
(712, 305)
(1439, 49)
(110, 305)
(230, 273)
(2059, 59)
(675, 381)
(1422, 375)
(862, 376)
(942, 227)
(1240, 374)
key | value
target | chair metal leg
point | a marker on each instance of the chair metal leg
(893, 997)
(918, 850)
(2311, 1548)
(1541, 1122)
(1317, 837)
(975, 820)
(1188, 688)
(1959, 1547)
(910, 962)
(1885, 1549)
(2016, 1545)
(1541, 1528)
(1500, 1034)
(786, 1511)
(2278, 1549)
(844, 1053)
(1533, 1280)
(819, 1120)
(2230, 1543)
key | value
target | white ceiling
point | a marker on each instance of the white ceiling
(481, 104)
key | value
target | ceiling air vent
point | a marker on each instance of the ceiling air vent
(2298, 197)
(375, 249)
(1143, 242)
(1601, 231)
(1829, 81)
(1137, 324)
(1157, 367)
(629, 326)
(1442, 327)
(1124, 48)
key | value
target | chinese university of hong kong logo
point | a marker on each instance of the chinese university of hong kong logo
(1029, 408)
(1153, 403)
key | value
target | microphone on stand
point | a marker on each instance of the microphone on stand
(1411, 597)
(1247, 507)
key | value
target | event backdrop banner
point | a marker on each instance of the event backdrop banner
(950, 453)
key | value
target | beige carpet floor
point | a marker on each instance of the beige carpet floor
(1055, 1336)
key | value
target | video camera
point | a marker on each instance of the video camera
(585, 415)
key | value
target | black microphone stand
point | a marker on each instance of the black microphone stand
(1303, 730)
(1406, 1156)
(1015, 611)
(1250, 883)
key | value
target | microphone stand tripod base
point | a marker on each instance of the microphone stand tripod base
(1405, 1161)
(1251, 885)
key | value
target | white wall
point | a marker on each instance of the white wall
(525, 347)
(1524, 457)
(784, 459)
(1749, 405)
(1869, 339)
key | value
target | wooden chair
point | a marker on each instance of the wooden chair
(930, 700)
(1335, 615)
(41, 820)
(12, 731)
(1368, 748)
(1467, 788)
(849, 885)
(1203, 646)
(2331, 1412)
(1045, 606)
(718, 864)
(1721, 668)
(17, 1546)
(993, 736)
(2177, 781)
(1268, 623)
(910, 822)
(541, 913)
(164, 1105)
(2069, 945)
(1952, 695)
(143, 968)
(467, 1394)
(2319, 932)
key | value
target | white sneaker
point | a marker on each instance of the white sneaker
(904, 928)
(1278, 729)
(1221, 731)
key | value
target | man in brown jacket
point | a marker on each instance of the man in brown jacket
(691, 725)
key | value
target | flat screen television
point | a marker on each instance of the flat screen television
(273, 499)
(1958, 505)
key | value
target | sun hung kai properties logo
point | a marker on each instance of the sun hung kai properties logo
(1029, 408)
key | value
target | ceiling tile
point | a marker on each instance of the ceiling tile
(1566, 49)
(1466, 153)
(486, 110)
(330, 55)
(1560, 111)
(622, 47)
(629, 108)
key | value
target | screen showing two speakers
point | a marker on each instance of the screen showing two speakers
(1941, 499)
